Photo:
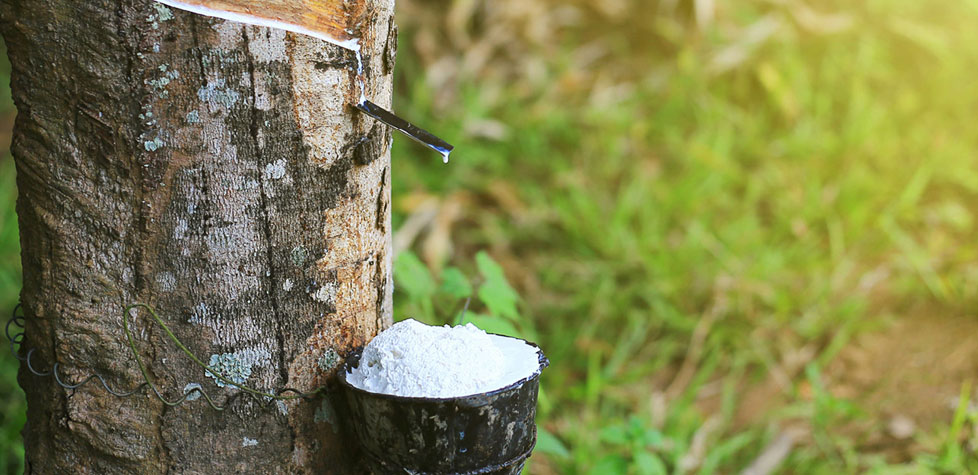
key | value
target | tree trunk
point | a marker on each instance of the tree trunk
(217, 172)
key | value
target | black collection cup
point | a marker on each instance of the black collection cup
(486, 433)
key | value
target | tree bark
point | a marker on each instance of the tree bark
(218, 172)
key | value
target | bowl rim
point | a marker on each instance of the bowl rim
(355, 355)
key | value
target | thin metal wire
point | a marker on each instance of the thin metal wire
(16, 337)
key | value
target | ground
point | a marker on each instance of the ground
(909, 375)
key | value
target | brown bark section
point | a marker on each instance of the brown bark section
(334, 19)
(210, 169)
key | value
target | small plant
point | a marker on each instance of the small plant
(488, 301)
(638, 444)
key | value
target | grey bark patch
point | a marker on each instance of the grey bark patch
(229, 366)
(299, 255)
(275, 170)
(217, 93)
(390, 47)
(153, 145)
(328, 361)
(327, 414)
(189, 390)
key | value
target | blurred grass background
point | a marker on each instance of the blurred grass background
(741, 231)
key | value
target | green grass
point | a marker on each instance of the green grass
(753, 203)
(12, 405)
(674, 234)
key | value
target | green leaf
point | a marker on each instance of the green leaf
(491, 324)
(495, 291)
(412, 276)
(616, 434)
(652, 438)
(549, 444)
(610, 465)
(454, 283)
(646, 463)
(497, 299)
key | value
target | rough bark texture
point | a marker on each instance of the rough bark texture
(217, 172)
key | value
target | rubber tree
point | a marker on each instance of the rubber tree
(218, 172)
